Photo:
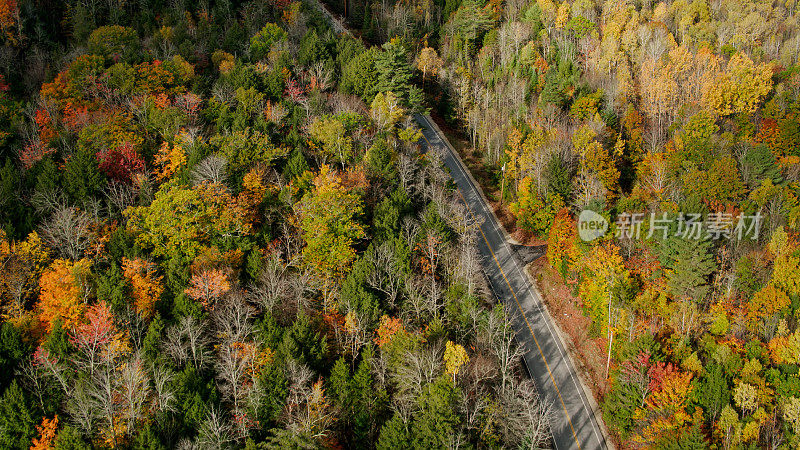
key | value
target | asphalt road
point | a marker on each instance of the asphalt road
(572, 420)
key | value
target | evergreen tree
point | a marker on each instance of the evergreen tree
(394, 434)
(17, 423)
(82, 176)
(761, 165)
(689, 264)
(437, 417)
(394, 71)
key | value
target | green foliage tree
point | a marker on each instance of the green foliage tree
(114, 43)
(395, 73)
(328, 218)
(470, 21)
(533, 212)
(181, 220)
(559, 178)
(82, 178)
(380, 160)
(70, 438)
(437, 418)
(388, 214)
(689, 265)
(17, 422)
(13, 350)
(360, 75)
(761, 165)
(332, 134)
(303, 343)
(262, 42)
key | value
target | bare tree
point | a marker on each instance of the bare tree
(79, 408)
(187, 342)
(299, 377)
(215, 432)
(134, 387)
(210, 170)
(421, 299)
(119, 196)
(164, 398)
(47, 201)
(406, 167)
(385, 275)
(419, 369)
(499, 337)
(272, 285)
(525, 422)
(409, 230)
(321, 75)
(233, 318)
(68, 231)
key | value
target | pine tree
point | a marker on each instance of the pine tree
(17, 425)
(437, 417)
(394, 71)
(689, 265)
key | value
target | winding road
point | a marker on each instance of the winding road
(574, 422)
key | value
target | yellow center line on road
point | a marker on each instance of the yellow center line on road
(519, 306)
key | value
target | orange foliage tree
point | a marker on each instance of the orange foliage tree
(562, 252)
(146, 285)
(208, 286)
(664, 412)
(47, 434)
(389, 327)
(98, 337)
(63, 294)
(9, 20)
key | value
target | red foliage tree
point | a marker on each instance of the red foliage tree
(98, 331)
(121, 163)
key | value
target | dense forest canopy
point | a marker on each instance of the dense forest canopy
(219, 228)
(648, 110)
(676, 124)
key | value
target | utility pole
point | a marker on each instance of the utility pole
(503, 184)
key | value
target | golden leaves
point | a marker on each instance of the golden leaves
(62, 293)
(740, 89)
(146, 285)
(170, 159)
(455, 356)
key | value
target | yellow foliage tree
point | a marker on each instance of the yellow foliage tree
(21, 264)
(169, 159)
(455, 356)
(765, 306)
(740, 88)
(428, 62)
(605, 269)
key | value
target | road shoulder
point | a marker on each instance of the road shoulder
(566, 341)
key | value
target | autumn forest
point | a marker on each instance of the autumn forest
(221, 225)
